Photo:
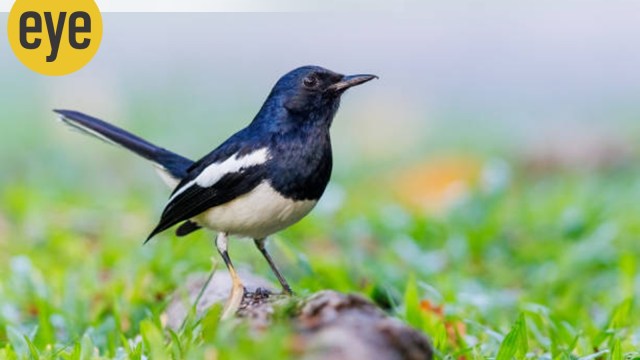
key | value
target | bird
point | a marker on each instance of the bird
(261, 180)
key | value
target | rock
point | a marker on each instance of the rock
(346, 326)
(216, 292)
(331, 325)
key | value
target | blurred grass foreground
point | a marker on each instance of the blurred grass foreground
(491, 256)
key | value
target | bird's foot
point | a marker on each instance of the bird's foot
(262, 292)
(286, 291)
(255, 298)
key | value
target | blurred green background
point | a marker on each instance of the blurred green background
(490, 173)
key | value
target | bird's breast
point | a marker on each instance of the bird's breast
(256, 214)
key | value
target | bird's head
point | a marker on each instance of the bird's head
(313, 92)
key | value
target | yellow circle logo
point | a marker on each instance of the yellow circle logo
(55, 37)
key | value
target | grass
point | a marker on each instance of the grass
(526, 266)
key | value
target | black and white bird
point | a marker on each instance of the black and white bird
(261, 180)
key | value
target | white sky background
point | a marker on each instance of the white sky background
(526, 56)
(529, 66)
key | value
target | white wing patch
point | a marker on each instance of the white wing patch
(214, 172)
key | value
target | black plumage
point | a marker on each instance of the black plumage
(274, 170)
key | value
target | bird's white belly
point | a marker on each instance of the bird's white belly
(257, 214)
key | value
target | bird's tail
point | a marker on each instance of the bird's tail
(173, 164)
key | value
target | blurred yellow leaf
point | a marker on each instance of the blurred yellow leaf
(436, 184)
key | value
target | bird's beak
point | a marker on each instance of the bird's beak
(348, 81)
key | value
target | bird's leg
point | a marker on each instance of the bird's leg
(237, 290)
(260, 244)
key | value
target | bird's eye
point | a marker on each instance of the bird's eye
(310, 81)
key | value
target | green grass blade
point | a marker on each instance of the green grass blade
(515, 344)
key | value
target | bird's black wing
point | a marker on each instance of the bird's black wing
(195, 199)
(190, 198)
